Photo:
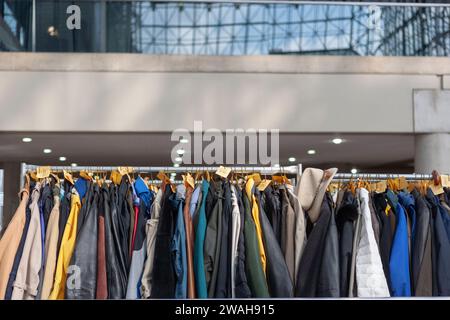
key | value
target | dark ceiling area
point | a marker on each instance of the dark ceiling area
(364, 152)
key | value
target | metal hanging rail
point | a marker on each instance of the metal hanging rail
(294, 169)
(373, 176)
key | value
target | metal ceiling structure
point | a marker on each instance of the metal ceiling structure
(215, 28)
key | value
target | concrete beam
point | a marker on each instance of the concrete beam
(111, 62)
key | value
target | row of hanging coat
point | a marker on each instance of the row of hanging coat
(223, 237)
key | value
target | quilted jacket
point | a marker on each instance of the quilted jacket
(370, 278)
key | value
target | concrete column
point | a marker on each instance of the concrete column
(432, 153)
(11, 186)
(432, 129)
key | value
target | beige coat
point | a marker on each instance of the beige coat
(27, 278)
(11, 240)
(51, 247)
(300, 229)
(151, 228)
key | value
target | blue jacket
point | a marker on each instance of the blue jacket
(408, 202)
(178, 248)
(399, 260)
(200, 232)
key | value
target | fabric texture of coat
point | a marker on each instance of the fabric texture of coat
(200, 232)
(422, 276)
(317, 276)
(151, 228)
(370, 278)
(11, 239)
(51, 242)
(279, 280)
(67, 246)
(27, 279)
(399, 260)
(84, 257)
(164, 277)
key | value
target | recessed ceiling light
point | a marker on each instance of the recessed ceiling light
(180, 151)
(354, 171)
(311, 151)
(73, 164)
(176, 165)
(184, 140)
(337, 140)
(46, 150)
(27, 139)
(291, 159)
(178, 159)
(62, 158)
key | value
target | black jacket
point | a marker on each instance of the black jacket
(346, 215)
(164, 277)
(84, 255)
(272, 207)
(422, 275)
(440, 248)
(242, 289)
(223, 284)
(277, 273)
(116, 266)
(64, 211)
(124, 215)
(318, 274)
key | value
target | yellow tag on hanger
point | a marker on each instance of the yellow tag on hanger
(189, 180)
(278, 179)
(125, 170)
(437, 190)
(332, 187)
(43, 172)
(86, 175)
(223, 172)
(411, 186)
(33, 176)
(264, 184)
(116, 177)
(402, 183)
(381, 186)
(388, 208)
(255, 176)
(162, 176)
(68, 177)
(445, 181)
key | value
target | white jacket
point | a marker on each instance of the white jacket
(236, 226)
(370, 278)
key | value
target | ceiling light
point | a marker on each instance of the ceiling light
(180, 151)
(178, 159)
(337, 140)
(47, 150)
(62, 158)
(176, 165)
(27, 139)
(276, 165)
(354, 171)
(291, 159)
(311, 151)
(73, 164)
(184, 140)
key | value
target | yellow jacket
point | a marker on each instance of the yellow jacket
(255, 213)
(65, 252)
